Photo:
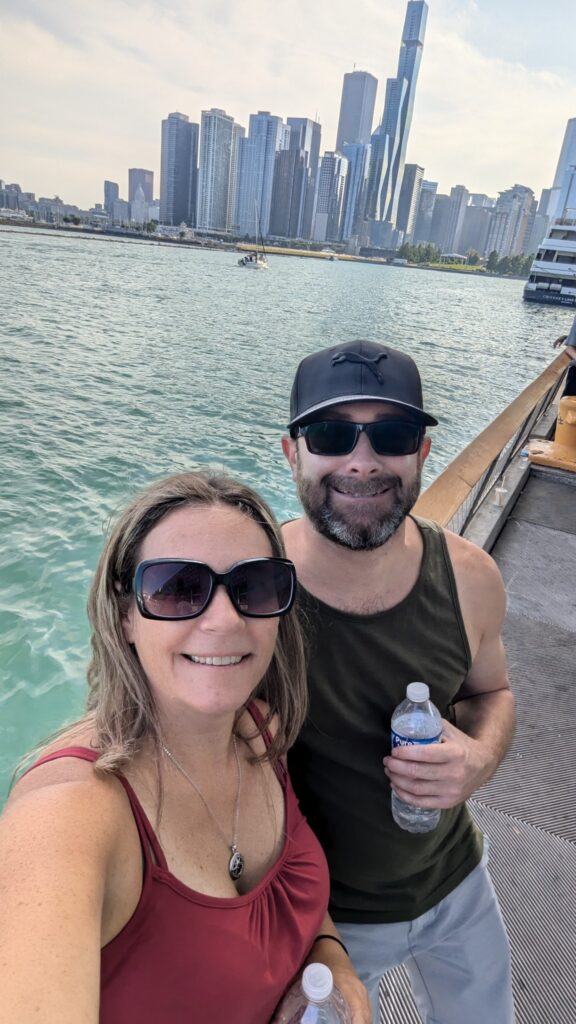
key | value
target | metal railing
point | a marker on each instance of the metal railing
(453, 498)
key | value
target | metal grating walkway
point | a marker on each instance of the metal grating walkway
(528, 809)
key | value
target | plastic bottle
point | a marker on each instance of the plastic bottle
(313, 999)
(415, 720)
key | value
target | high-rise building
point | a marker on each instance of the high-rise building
(566, 161)
(179, 170)
(541, 221)
(358, 156)
(256, 156)
(390, 140)
(356, 108)
(511, 221)
(459, 196)
(481, 199)
(139, 207)
(421, 234)
(215, 170)
(288, 190)
(121, 212)
(139, 178)
(309, 135)
(111, 194)
(439, 223)
(474, 231)
(329, 198)
(409, 200)
(238, 132)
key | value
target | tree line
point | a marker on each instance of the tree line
(516, 266)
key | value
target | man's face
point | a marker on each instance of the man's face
(357, 500)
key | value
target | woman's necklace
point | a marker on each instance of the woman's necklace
(236, 862)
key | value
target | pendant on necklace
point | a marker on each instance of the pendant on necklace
(235, 864)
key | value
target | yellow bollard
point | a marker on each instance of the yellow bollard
(566, 423)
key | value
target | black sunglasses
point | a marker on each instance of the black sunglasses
(340, 437)
(179, 588)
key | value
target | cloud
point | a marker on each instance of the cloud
(89, 84)
(486, 122)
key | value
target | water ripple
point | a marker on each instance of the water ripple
(122, 362)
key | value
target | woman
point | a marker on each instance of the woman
(154, 865)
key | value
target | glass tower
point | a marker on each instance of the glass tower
(390, 140)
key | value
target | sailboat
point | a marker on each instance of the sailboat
(256, 260)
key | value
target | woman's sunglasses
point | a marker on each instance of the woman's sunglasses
(340, 437)
(179, 588)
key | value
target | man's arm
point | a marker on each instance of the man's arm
(445, 774)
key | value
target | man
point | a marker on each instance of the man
(389, 599)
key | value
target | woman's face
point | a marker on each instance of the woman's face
(169, 651)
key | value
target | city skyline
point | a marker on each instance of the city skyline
(502, 78)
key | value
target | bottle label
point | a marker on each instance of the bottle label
(407, 741)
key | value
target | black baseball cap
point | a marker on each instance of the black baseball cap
(359, 371)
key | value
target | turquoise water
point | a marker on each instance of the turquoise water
(124, 361)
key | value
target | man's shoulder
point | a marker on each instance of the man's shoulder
(478, 578)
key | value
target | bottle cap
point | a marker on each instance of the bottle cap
(317, 982)
(418, 692)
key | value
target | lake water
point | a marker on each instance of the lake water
(123, 361)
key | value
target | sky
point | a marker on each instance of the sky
(85, 85)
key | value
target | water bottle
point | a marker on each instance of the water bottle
(415, 720)
(313, 999)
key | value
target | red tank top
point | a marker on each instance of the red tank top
(188, 958)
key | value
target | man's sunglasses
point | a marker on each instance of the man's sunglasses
(340, 437)
(178, 588)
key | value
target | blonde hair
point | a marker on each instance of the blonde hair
(120, 705)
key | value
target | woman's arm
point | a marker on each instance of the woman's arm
(56, 845)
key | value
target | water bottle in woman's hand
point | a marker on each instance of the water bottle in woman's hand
(313, 999)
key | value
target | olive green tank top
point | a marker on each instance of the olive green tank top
(359, 667)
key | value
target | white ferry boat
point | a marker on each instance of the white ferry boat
(553, 273)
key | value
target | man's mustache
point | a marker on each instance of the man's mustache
(362, 488)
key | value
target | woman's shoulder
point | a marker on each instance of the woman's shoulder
(62, 775)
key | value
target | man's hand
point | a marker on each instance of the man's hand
(439, 775)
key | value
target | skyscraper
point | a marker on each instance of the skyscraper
(111, 195)
(288, 190)
(329, 198)
(475, 229)
(215, 170)
(256, 156)
(390, 140)
(459, 196)
(137, 176)
(409, 200)
(562, 178)
(428, 190)
(309, 133)
(511, 221)
(358, 156)
(439, 222)
(356, 108)
(179, 170)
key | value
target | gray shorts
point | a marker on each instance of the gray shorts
(457, 956)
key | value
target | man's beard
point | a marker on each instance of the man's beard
(351, 528)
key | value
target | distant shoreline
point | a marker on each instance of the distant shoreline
(104, 235)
